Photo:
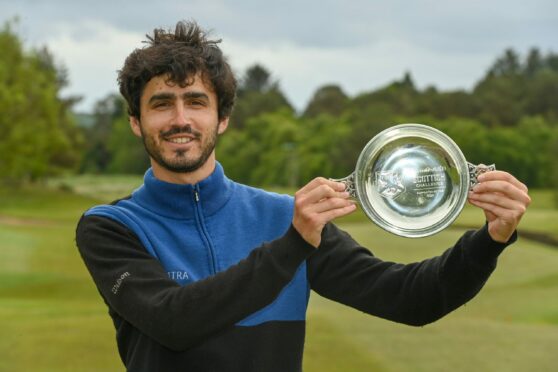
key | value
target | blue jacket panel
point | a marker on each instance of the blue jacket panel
(198, 230)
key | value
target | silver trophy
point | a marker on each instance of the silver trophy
(412, 180)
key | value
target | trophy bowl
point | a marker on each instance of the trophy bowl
(412, 180)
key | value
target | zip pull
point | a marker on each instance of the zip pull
(196, 195)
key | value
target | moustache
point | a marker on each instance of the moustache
(179, 130)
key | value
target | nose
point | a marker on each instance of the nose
(181, 115)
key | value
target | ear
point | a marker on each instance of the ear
(223, 124)
(135, 125)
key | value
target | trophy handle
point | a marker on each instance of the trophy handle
(349, 182)
(477, 170)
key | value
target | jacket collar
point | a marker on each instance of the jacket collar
(182, 201)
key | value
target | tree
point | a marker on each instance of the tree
(320, 150)
(329, 99)
(263, 152)
(542, 94)
(472, 137)
(500, 95)
(507, 65)
(539, 152)
(554, 165)
(127, 153)
(512, 89)
(256, 79)
(534, 63)
(98, 156)
(443, 105)
(257, 94)
(39, 137)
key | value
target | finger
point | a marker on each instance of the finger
(330, 204)
(320, 181)
(498, 199)
(338, 212)
(497, 175)
(503, 187)
(489, 215)
(510, 215)
(323, 191)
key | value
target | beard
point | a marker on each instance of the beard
(180, 162)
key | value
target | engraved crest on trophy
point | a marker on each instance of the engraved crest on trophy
(389, 184)
(412, 180)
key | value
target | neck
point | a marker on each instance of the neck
(189, 178)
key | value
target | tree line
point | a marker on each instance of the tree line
(510, 118)
(38, 135)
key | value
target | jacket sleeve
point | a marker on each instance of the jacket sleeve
(136, 286)
(416, 293)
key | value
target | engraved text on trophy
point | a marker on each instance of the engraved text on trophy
(430, 181)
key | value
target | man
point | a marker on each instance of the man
(203, 274)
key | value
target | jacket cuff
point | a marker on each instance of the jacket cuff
(290, 250)
(483, 248)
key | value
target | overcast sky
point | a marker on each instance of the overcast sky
(360, 45)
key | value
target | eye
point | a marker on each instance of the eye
(161, 104)
(197, 102)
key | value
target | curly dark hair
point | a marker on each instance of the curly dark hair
(180, 55)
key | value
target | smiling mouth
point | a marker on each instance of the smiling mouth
(180, 140)
(180, 135)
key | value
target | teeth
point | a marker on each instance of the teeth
(180, 140)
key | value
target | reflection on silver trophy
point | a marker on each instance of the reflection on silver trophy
(412, 180)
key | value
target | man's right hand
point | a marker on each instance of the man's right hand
(318, 203)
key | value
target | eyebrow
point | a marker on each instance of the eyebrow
(171, 96)
(195, 94)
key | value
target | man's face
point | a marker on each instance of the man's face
(179, 126)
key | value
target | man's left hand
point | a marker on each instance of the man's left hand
(503, 199)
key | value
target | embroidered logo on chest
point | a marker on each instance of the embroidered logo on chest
(179, 275)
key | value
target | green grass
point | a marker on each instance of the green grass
(512, 325)
(52, 318)
(100, 187)
(541, 216)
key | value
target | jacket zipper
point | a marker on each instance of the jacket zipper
(203, 230)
